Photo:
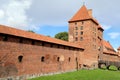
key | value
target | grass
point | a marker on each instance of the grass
(98, 74)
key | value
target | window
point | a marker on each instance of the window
(42, 59)
(76, 28)
(76, 39)
(76, 33)
(5, 38)
(82, 22)
(69, 59)
(81, 27)
(81, 33)
(58, 59)
(81, 38)
(20, 58)
(75, 23)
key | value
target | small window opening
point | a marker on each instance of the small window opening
(20, 58)
(81, 38)
(81, 28)
(82, 22)
(58, 59)
(69, 59)
(5, 38)
(42, 59)
(76, 28)
(81, 32)
(76, 39)
(75, 23)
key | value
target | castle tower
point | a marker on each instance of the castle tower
(86, 31)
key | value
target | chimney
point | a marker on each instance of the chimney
(90, 12)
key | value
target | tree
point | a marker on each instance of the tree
(31, 31)
(62, 36)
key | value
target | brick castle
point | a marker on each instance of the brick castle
(25, 55)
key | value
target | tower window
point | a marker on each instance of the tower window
(76, 33)
(81, 33)
(76, 39)
(20, 58)
(76, 28)
(75, 23)
(81, 27)
(81, 38)
(82, 22)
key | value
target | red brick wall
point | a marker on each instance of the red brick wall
(108, 57)
(31, 62)
(90, 40)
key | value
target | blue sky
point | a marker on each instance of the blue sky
(50, 17)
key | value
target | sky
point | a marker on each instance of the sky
(49, 17)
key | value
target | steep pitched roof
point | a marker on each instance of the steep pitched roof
(26, 34)
(107, 44)
(118, 48)
(82, 14)
(107, 48)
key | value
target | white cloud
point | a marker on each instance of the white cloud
(106, 27)
(1, 13)
(114, 35)
(14, 14)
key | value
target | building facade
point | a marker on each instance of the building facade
(26, 55)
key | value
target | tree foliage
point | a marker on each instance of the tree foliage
(31, 31)
(62, 36)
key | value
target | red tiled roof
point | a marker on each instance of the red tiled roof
(107, 44)
(25, 34)
(110, 49)
(82, 14)
(118, 48)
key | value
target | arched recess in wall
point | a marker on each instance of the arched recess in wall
(20, 58)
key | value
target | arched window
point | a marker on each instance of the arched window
(42, 59)
(69, 59)
(20, 58)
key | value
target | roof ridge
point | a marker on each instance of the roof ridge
(25, 34)
(82, 13)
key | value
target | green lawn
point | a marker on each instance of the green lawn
(97, 74)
